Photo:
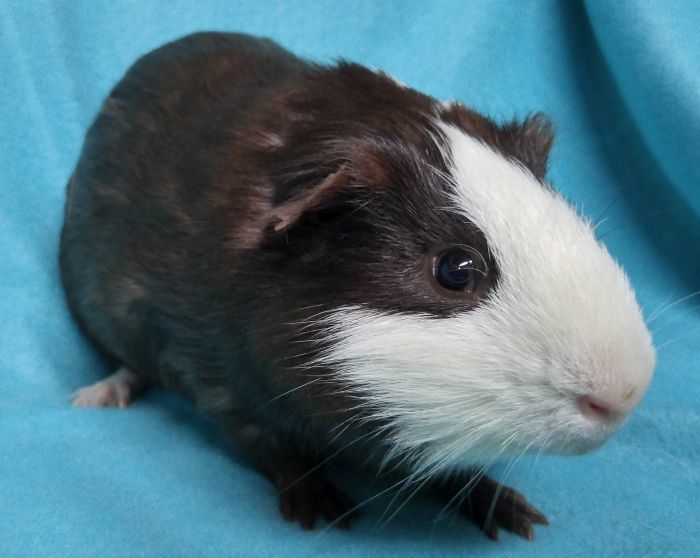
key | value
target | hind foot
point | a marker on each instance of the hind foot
(117, 390)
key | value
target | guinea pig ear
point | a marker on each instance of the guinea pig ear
(288, 212)
(531, 140)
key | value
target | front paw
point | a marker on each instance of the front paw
(491, 505)
(306, 498)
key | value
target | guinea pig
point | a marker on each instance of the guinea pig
(332, 265)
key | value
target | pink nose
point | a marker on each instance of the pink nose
(596, 409)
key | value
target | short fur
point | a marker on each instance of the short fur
(257, 232)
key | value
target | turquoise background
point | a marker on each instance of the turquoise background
(621, 80)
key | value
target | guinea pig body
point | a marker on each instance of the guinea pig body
(330, 264)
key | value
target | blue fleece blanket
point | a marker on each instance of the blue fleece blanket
(621, 81)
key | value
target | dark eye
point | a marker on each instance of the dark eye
(459, 269)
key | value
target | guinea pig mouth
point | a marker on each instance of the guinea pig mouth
(582, 445)
(589, 430)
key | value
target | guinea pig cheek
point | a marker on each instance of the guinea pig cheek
(451, 391)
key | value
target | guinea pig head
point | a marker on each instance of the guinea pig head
(463, 302)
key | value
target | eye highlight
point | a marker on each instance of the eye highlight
(459, 268)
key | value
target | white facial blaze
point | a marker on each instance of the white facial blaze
(561, 322)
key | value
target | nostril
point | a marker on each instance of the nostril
(594, 408)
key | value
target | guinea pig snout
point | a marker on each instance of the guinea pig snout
(597, 409)
(609, 405)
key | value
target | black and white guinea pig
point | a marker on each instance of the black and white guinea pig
(333, 265)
